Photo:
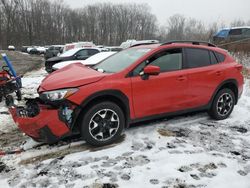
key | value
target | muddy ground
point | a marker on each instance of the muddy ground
(23, 62)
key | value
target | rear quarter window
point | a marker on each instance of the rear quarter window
(235, 32)
(220, 57)
(213, 58)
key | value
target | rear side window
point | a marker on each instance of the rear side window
(220, 57)
(235, 32)
(197, 57)
(247, 32)
(92, 52)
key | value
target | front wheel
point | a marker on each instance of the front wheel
(102, 124)
(223, 104)
(9, 100)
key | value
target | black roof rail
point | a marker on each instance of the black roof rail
(145, 43)
(189, 41)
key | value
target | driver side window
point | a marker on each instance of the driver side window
(169, 60)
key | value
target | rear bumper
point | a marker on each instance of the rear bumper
(46, 126)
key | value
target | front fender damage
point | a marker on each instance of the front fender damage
(45, 122)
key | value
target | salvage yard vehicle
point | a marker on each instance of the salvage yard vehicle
(140, 83)
(53, 51)
(11, 48)
(232, 34)
(74, 54)
(93, 60)
(133, 42)
(74, 45)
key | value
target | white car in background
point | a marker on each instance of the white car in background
(93, 60)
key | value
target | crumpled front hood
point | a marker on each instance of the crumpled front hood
(73, 75)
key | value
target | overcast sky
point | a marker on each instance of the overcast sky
(205, 10)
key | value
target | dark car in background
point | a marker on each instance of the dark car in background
(232, 34)
(73, 54)
(53, 51)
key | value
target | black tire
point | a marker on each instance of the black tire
(19, 95)
(223, 104)
(9, 100)
(99, 131)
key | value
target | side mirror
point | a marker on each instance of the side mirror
(152, 70)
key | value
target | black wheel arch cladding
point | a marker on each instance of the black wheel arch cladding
(111, 95)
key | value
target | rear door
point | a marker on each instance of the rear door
(205, 73)
(163, 93)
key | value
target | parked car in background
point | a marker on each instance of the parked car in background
(73, 54)
(78, 45)
(11, 48)
(114, 48)
(24, 49)
(93, 60)
(53, 51)
(37, 50)
(137, 84)
(232, 34)
(133, 42)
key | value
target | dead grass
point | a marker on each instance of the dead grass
(167, 133)
(66, 151)
(56, 154)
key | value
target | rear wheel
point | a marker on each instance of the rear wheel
(223, 104)
(102, 124)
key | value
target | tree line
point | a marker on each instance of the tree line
(44, 22)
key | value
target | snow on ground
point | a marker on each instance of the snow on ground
(184, 151)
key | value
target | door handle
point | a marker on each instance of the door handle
(182, 78)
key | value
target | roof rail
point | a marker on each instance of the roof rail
(189, 41)
(145, 43)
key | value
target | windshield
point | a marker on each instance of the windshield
(121, 60)
(223, 33)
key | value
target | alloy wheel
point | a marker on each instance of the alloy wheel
(225, 104)
(104, 124)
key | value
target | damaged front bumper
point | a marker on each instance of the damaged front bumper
(43, 122)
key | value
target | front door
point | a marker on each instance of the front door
(162, 93)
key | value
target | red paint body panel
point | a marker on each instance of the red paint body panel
(47, 117)
(166, 92)
(73, 75)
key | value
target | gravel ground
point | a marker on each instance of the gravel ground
(23, 62)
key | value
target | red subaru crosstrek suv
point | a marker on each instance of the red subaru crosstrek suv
(141, 83)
